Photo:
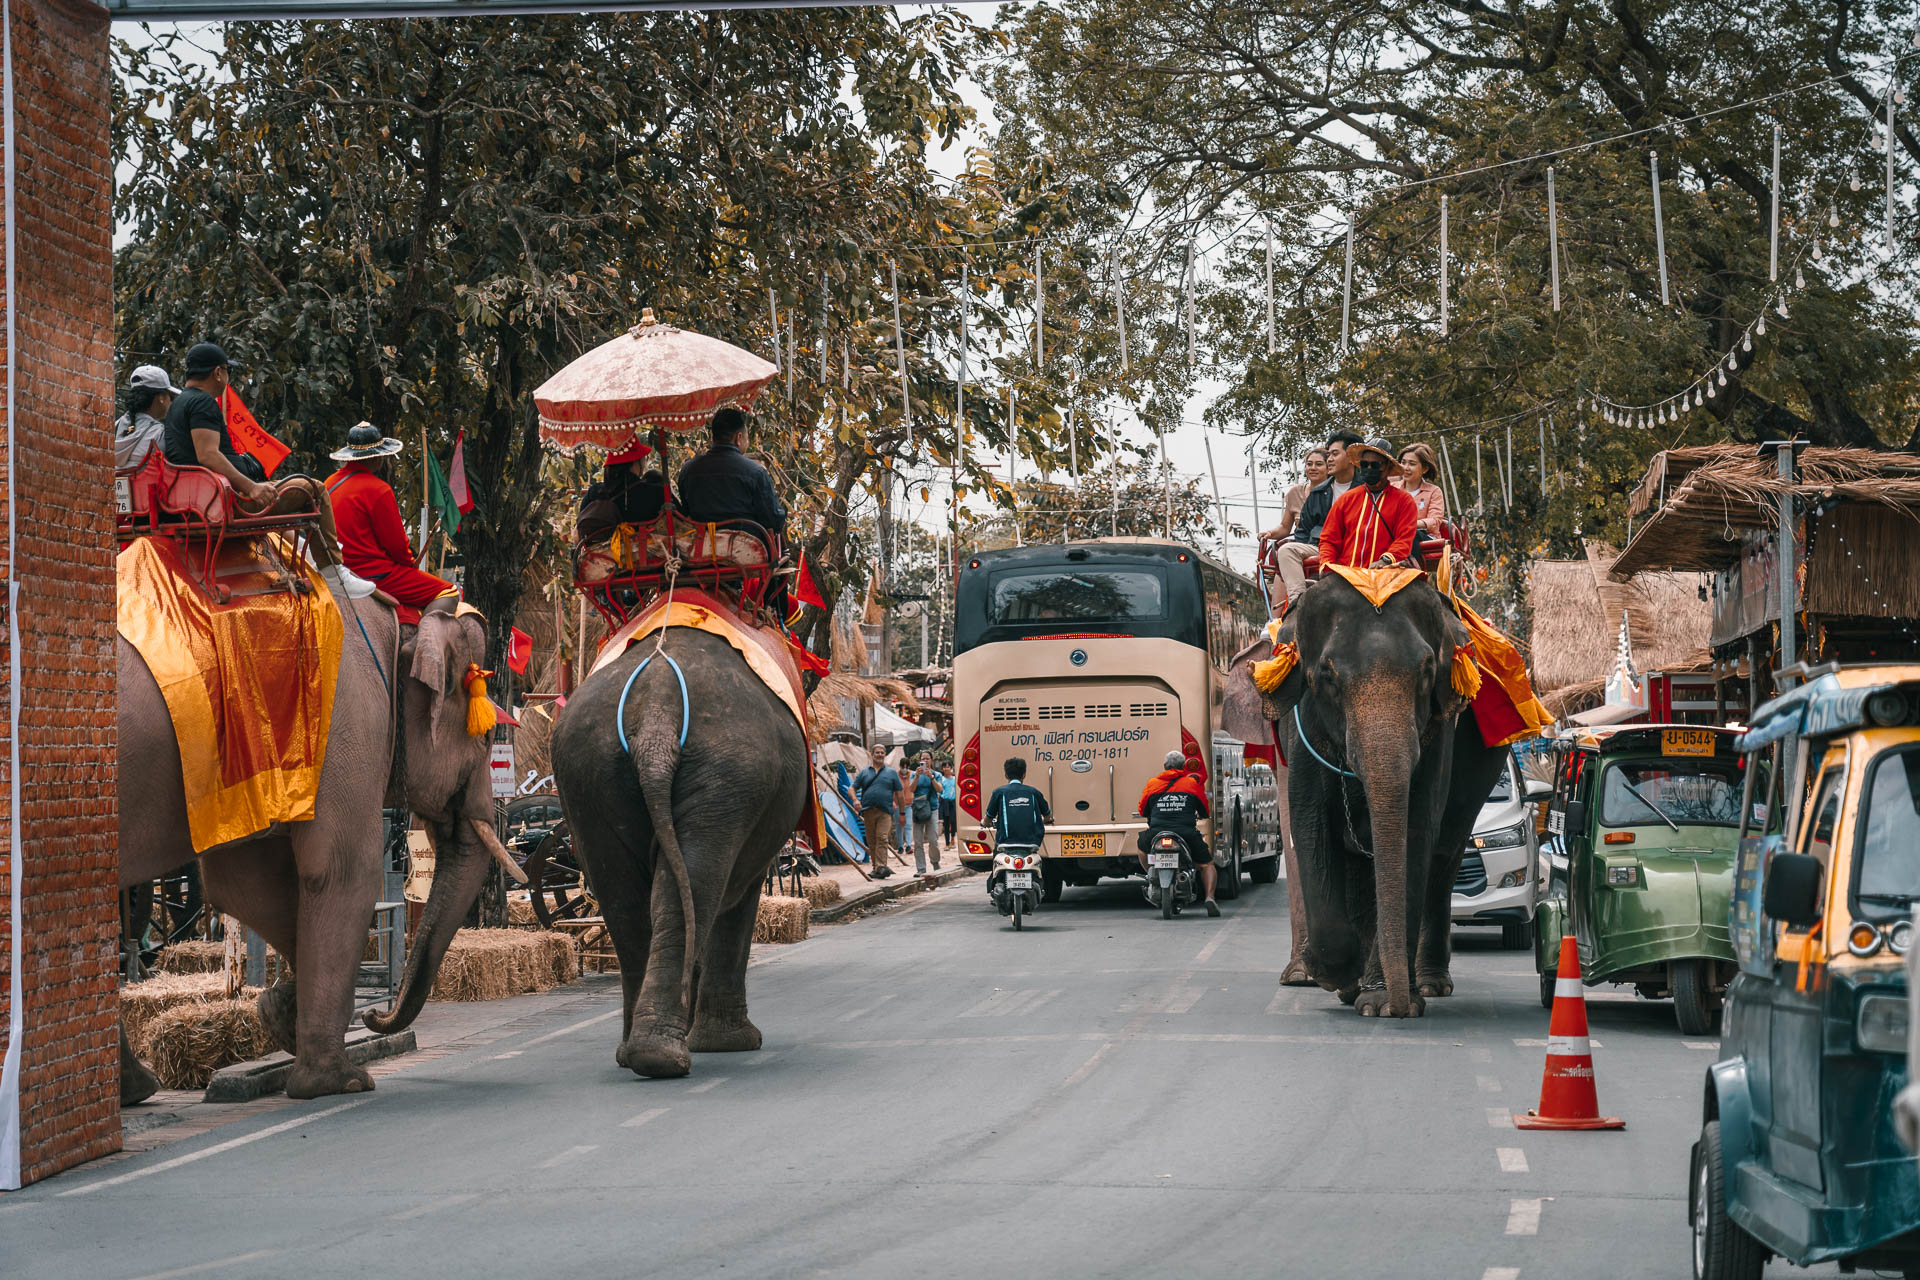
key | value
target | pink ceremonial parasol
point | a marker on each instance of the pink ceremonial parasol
(653, 375)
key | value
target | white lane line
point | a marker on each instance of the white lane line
(216, 1149)
(1183, 1000)
(651, 1113)
(1041, 998)
(1286, 1000)
(200, 1267)
(1512, 1159)
(567, 1031)
(1487, 1084)
(1206, 952)
(513, 1054)
(1523, 1218)
(1086, 1068)
(761, 1059)
(1712, 1045)
(705, 1085)
(565, 1156)
(851, 1014)
(432, 1206)
(1499, 1118)
(1500, 1273)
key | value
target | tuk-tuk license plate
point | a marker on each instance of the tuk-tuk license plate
(1018, 880)
(1686, 742)
(1158, 860)
(122, 495)
(1086, 844)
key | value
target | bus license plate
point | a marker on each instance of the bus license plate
(1083, 845)
(1686, 742)
(1019, 880)
(1158, 860)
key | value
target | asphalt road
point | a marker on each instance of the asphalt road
(1103, 1094)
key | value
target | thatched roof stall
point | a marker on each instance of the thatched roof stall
(1577, 610)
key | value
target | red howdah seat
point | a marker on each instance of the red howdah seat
(197, 507)
(628, 567)
(1427, 551)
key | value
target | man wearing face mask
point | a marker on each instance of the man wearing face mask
(1371, 525)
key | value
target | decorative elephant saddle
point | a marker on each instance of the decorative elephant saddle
(248, 678)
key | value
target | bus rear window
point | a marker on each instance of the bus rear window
(1078, 595)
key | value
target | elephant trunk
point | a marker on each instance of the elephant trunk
(461, 863)
(1382, 748)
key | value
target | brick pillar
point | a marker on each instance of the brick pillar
(59, 1054)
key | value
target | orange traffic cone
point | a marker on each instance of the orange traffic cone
(1567, 1099)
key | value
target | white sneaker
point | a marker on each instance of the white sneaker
(347, 582)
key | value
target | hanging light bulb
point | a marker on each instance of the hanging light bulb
(1799, 279)
(1712, 391)
(1833, 217)
(1746, 341)
(1853, 183)
(1699, 397)
(1733, 363)
(1900, 97)
(1723, 377)
(1781, 306)
(1761, 328)
(1817, 255)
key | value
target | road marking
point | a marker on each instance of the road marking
(761, 1058)
(1500, 1273)
(1019, 1000)
(1487, 1084)
(863, 1012)
(215, 1150)
(1292, 1000)
(1086, 1068)
(1184, 999)
(705, 1085)
(1512, 1159)
(567, 1031)
(1711, 1045)
(652, 1113)
(1499, 1118)
(513, 1054)
(1206, 952)
(565, 1156)
(200, 1267)
(432, 1206)
(1523, 1218)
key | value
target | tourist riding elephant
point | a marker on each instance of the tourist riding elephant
(1367, 719)
(309, 888)
(681, 782)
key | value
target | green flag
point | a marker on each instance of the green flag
(441, 495)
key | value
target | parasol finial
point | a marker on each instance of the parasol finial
(647, 321)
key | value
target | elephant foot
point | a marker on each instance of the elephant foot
(327, 1078)
(723, 1035)
(137, 1084)
(1434, 984)
(1347, 995)
(278, 1006)
(1376, 1003)
(1296, 975)
(655, 1052)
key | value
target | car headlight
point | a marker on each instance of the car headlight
(1880, 1023)
(1505, 838)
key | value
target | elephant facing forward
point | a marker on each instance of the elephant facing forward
(676, 824)
(309, 888)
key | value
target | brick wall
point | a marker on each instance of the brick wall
(57, 484)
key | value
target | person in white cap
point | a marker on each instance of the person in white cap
(137, 432)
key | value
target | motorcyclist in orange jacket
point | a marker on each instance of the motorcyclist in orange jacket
(1176, 799)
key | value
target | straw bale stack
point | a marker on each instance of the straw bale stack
(491, 964)
(143, 1003)
(820, 891)
(192, 955)
(782, 920)
(186, 1045)
(520, 908)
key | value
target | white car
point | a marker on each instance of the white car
(1500, 877)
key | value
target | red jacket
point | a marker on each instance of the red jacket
(1178, 781)
(1363, 526)
(373, 540)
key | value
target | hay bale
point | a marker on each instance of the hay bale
(820, 891)
(191, 956)
(782, 920)
(188, 1044)
(143, 1003)
(520, 908)
(491, 964)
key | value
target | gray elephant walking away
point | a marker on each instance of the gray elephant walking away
(676, 823)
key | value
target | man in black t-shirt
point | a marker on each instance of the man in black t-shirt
(1018, 812)
(196, 433)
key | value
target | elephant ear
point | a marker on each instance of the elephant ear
(433, 664)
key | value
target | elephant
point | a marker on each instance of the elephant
(676, 824)
(1371, 726)
(309, 888)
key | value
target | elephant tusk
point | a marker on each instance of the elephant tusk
(499, 851)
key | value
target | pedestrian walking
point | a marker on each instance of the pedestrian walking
(949, 804)
(926, 799)
(883, 799)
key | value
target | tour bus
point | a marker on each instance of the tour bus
(1093, 660)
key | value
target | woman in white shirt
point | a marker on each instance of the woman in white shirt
(137, 432)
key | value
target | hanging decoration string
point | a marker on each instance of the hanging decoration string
(1346, 290)
(1553, 238)
(1120, 305)
(1272, 334)
(1659, 229)
(900, 352)
(1443, 266)
(1773, 232)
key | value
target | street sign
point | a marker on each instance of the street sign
(501, 770)
(282, 10)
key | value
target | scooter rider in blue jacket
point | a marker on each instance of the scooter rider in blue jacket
(1020, 813)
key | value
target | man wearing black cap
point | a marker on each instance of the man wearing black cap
(196, 433)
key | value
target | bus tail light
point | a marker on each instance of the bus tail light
(969, 784)
(1196, 762)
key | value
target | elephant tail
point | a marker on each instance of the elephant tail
(656, 759)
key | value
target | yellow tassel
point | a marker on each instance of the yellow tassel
(481, 716)
(1466, 674)
(1268, 675)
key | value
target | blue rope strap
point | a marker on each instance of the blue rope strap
(620, 711)
(370, 653)
(1308, 744)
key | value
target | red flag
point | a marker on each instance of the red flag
(519, 649)
(804, 589)
(247, 433)
(808, 659)
(457, 477)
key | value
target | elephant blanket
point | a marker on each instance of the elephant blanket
(766, 650)
(248, 684)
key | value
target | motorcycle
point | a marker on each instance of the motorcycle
(1170, 879)
(1012, 884)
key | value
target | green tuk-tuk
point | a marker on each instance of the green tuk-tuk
(1647, 816)
(1798, 1153)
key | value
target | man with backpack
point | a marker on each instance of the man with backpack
(882, 809)
(1018, 812)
